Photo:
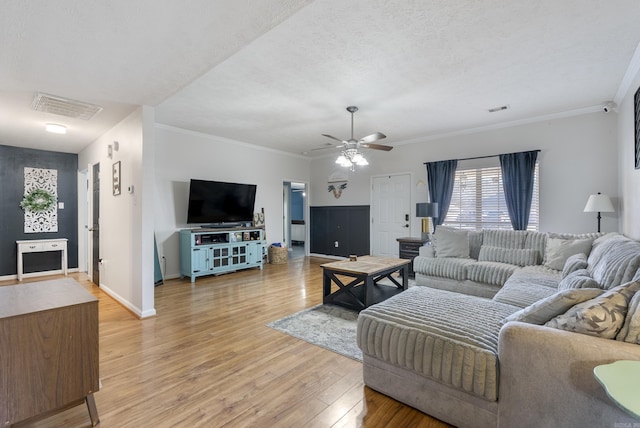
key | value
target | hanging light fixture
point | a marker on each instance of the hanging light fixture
(349, 158)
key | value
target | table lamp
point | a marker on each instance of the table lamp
(426, 210)
(597, 204)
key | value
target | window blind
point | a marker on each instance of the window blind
(478, 201)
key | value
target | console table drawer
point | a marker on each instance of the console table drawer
(53, 246)
(32, 248)
(411, 247)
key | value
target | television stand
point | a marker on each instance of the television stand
(209, 251)
(221, 226)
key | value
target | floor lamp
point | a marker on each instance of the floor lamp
(426, 210)
(599, 204)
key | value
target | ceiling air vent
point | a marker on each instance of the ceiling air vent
(64, 106)
(495, 109)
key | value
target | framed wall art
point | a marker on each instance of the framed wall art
(117, 188)
(636, 117)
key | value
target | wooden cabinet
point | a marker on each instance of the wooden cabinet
(211, 251)
(49, 346)
(409, 248)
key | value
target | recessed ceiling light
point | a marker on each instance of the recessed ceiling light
(55, 128)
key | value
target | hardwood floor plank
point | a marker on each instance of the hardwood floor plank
(209, 360)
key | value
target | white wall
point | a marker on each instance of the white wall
(126, 234)
(182, 155)
(629, 176)
(578, 157)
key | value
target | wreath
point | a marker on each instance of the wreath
(38, 200)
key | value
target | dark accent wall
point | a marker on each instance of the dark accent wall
(349, 225)
(13, 160)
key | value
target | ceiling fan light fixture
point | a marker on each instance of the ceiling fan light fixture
(362, 162)
(357, 158)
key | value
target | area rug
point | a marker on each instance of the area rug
(329, 326)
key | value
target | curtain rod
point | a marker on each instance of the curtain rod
(484, 157)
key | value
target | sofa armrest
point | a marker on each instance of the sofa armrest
(427, 251)
(546, 378)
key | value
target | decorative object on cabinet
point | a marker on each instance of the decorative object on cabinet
(426, 210)
(39, 203)
(117, 185)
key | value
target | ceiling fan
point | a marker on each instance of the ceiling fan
(350, 155)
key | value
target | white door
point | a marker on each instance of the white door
(390, 213)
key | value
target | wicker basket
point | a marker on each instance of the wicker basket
(278, 255)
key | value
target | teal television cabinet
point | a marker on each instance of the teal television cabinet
(206, 251)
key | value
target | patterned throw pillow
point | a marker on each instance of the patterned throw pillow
(574, 263)
(578, 279)
(602, 316)
(544, 309)
(451, 242)
(630, 331)
(559, 250)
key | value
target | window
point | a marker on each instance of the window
(478, 201)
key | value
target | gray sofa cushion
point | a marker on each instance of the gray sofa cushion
(614, 260)
(442, 267)
(504, 238)
(490, 272)
(446, 336)
(578, 279)
(574, 263)
(514, 256)
(451, 242)
(528, 285)
(559, 250)
(558, 303)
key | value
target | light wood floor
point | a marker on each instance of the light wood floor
(207, 359)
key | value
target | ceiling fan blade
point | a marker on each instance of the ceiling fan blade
(333, 138)
(373, 137)
(327, 147)
(377, 147)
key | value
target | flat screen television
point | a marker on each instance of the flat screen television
(217, 203)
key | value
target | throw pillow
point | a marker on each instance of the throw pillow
(574, 263)
(451, 242)
(520, 257)
(559, 250)
(544, 309)
(578, 279)
(630, 331)
(602, 316)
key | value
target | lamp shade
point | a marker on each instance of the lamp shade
(427, 209)
(599, 203)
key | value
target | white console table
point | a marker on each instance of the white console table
(42, 245)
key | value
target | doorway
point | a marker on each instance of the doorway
(390, 213)
(295, 214)
(95, 225)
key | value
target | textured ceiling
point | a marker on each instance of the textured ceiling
(280, 73)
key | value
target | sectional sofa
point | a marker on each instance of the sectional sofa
(523, 356)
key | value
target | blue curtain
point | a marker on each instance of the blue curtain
(517, 180)
(441, 176)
